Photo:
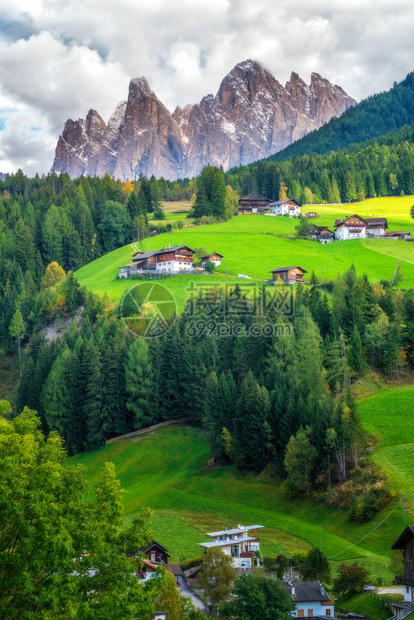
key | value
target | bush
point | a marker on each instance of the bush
(351, 578)
(191, 562)
(287, 490)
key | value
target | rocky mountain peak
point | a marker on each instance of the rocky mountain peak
(95, 126)
(139, 87)
(251, 117)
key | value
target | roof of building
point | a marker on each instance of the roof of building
(340, 222)
(175, 569)
(319, 229)
(278, 203)
(192, 572)
(393, 233)
(305, 591)
(227, 542)
(404, 537)
(212, 254)
(235, 530)
(142, 255)
(255, 196)
(377, 221)
(281, 269)
(149, 564)
(325, 234)
(152, 544)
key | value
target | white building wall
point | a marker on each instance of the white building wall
(317, 608)
(375, 232)
(409, 593)
(343, 234)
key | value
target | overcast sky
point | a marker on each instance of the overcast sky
(59, 58)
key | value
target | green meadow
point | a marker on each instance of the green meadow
(167, 470)
(389, 416)
(255, 244)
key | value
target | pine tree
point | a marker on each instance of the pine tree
(140, 385)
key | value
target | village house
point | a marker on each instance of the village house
(322, 234)
(376, 227)
(290, 207)
(241, 543)
(214, 258)
(405, 544)
(311, 214)
(156, 553)
(254, 203)
(289, 275)
(311, 599)
(167, 260)
(352, 227)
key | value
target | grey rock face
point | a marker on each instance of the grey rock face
(251, 117)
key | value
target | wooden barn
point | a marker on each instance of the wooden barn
(156, 553)
(405, 544)
(254, 203)
(289, 275)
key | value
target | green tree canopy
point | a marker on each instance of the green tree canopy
(260, 597)
(63, 554)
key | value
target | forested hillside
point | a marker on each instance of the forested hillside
(372, 117)
(383, 166)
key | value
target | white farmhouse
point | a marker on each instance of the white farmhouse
(241, 543)
(311, 599)
(352, 227)
(167, 260)
(290, 207)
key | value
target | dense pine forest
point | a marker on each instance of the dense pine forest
(372, 117)
(379, 167)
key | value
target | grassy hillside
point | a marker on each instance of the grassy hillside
(364, 604)
(255, 244)
(168, 471)
(389, 416)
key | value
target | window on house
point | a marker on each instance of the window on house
(235, 551)
(301, 613)
(328, 612)
(310, 613)
(254, 547)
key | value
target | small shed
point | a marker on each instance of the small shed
(289, 275)
(214, 257)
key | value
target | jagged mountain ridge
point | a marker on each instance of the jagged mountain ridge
(251, 117)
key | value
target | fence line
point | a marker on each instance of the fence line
(143, 430)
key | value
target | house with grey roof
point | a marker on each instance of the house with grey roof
(311, 599)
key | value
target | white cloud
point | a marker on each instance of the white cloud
(59, 58)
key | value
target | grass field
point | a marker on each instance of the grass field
(364, 604)
(389, 415)
(167, 471)
(255, 244)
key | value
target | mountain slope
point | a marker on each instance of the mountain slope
(251, 117)
(369, 119)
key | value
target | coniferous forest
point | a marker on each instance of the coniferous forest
(262, 400)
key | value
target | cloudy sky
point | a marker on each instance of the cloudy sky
(58, 58)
